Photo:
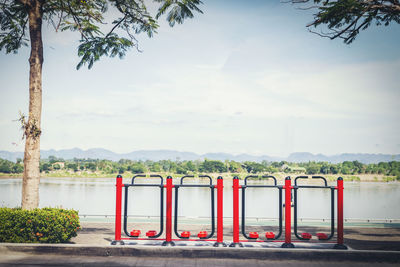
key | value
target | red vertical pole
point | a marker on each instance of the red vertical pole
(118, 198)
(168, 231)
(340, 240)
(220, 215)
(236, 213)
(288, 214)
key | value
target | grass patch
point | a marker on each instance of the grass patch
(389, 179)
(351, 179)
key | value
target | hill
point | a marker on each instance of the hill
(155, 155)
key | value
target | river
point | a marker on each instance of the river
(363, 200)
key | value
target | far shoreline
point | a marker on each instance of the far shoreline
(227, 176)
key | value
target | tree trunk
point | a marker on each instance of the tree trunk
(31, 178)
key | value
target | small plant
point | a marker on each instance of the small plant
(389, 179)
(352, 179)
(331, 178)
(47, 225)
(29, 127)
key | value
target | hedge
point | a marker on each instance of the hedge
(47, 225)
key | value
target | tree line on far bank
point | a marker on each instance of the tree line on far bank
(391, 168)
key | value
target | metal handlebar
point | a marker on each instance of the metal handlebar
(270, 176)
(299, 177)
(192, 176)
(143, 176)
(256, 176)
(313, 177)
(138, 175)
(320, 177)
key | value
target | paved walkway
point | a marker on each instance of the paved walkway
(368, 247)
(357, 238)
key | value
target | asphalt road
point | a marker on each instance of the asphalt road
(25, 259)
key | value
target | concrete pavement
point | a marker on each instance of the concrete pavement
(92, 248)
(358, 238)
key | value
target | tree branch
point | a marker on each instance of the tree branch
(76, 19)
(116, 25)
(343, 18)
(348, 27)
(23, 30)
(59, 22)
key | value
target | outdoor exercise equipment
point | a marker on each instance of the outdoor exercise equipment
(118, 202)
(254, 235)
(135, 234)
(168, 219)
(151, 233)
(308, 236)
(202, 234)
(288, 215)
(235, 187)
(322, 236)
(220, 216)
(340, 240)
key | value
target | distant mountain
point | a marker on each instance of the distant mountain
(240, 157)
(305, 157)
(12, 156)
(155, 155)
(364, 158)
(160, 155)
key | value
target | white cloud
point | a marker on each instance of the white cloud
(225, 82)
(340, 90)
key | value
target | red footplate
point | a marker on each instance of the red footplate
(151, 233)
(322, 236)
(185, 234)
(306, 236)
(135, 233)
(253, 235)
(202, 234)
(269, 235)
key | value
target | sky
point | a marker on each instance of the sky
(244, 77)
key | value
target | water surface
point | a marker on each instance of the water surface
(96, 196)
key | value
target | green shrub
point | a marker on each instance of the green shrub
(47, 225)
(389, 179)
(352, 179)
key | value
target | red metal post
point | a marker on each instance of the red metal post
(288, 214)
(118, 198)
(236, 210)
(236, 213)
(220, 215)
(340, 240)
(168, 230)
